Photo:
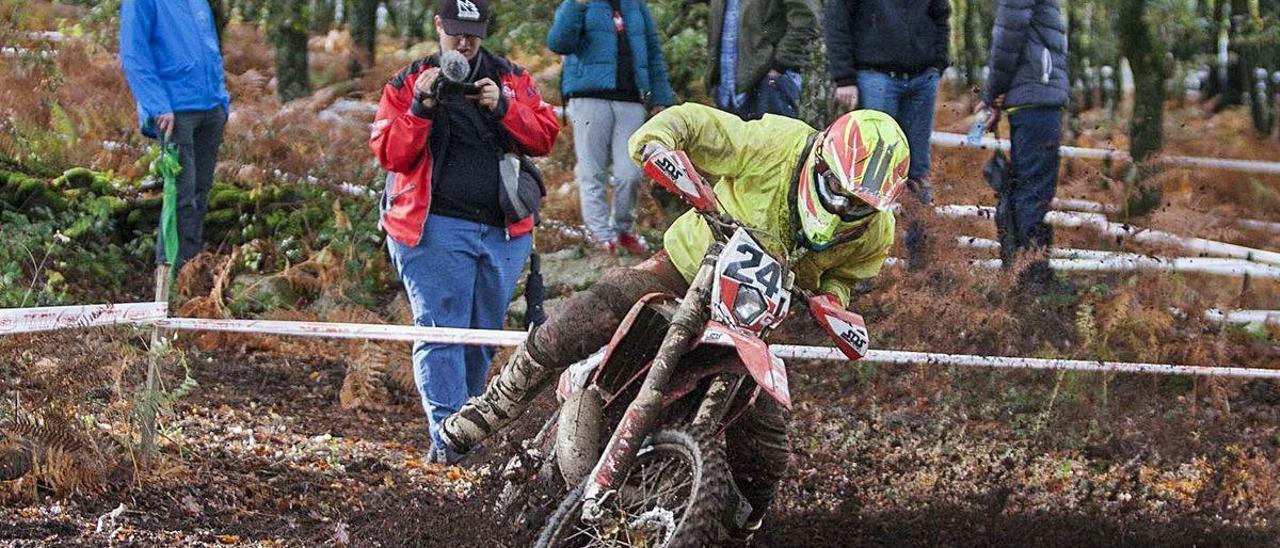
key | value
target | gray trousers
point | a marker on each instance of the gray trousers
(600, 132)
(197, 136)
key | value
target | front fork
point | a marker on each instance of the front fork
(686, 325)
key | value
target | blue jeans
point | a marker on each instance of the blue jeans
(771, 95)
(910, 101)
(461, 274)
(1035, 134)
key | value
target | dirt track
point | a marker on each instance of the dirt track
(289, 467)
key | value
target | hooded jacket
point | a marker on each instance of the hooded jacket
(170, 56)
(585, 35)
(1028, 54)
(757, 167)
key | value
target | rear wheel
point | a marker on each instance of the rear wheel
(672, 497)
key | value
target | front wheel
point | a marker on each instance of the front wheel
(672, 497)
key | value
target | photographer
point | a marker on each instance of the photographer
(449, 131)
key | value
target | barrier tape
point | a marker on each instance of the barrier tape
(1003, 362)
(483, 337)
(31, 320)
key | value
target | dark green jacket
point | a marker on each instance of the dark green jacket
(774, 34)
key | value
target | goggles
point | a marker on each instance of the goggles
(833, 198)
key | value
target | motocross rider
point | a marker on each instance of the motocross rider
(823, 194)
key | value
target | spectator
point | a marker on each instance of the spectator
(170, 55)
(442, 147)
(887, 56)
(758, 50)
(1028, 79)
(613, 71)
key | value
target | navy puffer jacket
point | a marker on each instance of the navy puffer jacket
(585, 35)
(1028, 54)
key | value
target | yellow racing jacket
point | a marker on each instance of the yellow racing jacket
(755, 165)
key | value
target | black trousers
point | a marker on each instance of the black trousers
(197, 136)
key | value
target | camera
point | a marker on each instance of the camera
(445, 86)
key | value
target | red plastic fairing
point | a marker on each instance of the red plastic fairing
(673, 170)
(768, 370)
(629, 322)
(846, 328)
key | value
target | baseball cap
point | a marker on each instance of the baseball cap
(464, 17)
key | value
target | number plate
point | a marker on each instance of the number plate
(752, 290)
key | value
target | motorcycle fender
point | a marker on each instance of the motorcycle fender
(576, 376)
(768, 370)
(578, 435)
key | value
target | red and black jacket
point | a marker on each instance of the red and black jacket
(402, 131)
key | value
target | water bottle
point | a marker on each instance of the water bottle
(978, 128)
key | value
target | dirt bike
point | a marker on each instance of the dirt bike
(676, 374)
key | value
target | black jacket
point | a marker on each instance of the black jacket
(898, 35)
(1028, 54)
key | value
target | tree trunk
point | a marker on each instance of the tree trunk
(418, 21)
(323, 13)
(288, 31)
(1237, 84)
(250, 10)
(969, 53)
(1075, 56)
(394, 17)
(221, 14)
(364, 33)
(1082, 48)
(1146, 58)
(1214, 85)
(986, 15)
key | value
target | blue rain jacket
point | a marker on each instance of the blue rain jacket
(585, 35)
(169, 53)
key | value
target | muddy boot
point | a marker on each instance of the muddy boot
(506, 397)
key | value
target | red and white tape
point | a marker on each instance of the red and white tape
(27, 320)
(31, 320)
(484, 337)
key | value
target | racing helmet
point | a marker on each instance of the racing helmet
(856, 167)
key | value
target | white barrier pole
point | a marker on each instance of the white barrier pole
(1266, 317)
(1260, 225)
(1099, 222)
(975, 242)
(1089, 260)
(956, 140)
(1090, 206)
(482, 337)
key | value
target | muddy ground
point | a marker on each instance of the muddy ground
(262, 454)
